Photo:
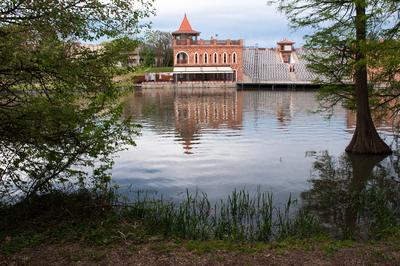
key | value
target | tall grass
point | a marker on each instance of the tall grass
(241, 216)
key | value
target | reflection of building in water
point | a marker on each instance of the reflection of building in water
(350, 119)
(186, 112)
(383, 122)
(284, 111)
(206, 109)
(281, 104)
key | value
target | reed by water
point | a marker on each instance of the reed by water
(241, 216)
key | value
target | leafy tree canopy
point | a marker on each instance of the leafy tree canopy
(160, 43)
(333, 46)
(353, 47)
(58, 101)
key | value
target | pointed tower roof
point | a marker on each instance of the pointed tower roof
(185, 28)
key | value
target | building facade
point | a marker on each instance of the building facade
(205, 60)
(133, 57)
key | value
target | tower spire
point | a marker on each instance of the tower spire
(185, 27)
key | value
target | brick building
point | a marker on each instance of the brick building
(205, 60)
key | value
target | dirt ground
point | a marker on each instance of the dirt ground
(155, 254)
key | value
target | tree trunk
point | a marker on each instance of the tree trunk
(366, 139)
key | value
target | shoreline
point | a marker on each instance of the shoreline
(64, 229)
(230, 85)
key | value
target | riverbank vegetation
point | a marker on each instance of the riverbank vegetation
(62, 124)
(62, 223)
(134, 76)
(350, 199)
(61, 120)
(352, 208)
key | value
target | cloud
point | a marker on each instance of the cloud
(251, 20)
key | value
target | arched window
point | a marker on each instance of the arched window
(225, 58)
(196, 58)
(215, 58)
(205, 58)
(182, 58)
(234, 56)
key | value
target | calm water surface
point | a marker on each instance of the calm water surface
(216, 140)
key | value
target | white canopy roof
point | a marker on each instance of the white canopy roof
(201, 70)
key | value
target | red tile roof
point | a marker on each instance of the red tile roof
(186, 27)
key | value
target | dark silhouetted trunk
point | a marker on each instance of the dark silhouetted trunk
(366, 139)
(363, 166)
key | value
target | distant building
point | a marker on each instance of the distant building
(205, 60)
(91, 47)
(283, 65)
(133, 59)
(285, 48)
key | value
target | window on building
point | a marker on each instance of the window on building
(234, 56)
(196, 58)
(215, 58)
(205, 58)
(182, 58)
(225, 58)
(288, 48)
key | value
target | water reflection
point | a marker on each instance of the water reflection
(191, 110)
(194, 112)
(355, 196)
(217, 140)
(202, 109)
(387, 124)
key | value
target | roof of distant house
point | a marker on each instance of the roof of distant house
(185, 28)
(286, 41)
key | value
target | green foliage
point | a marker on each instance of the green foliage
(240, 217)
(156, 70)
(333, 47)
(86, 218)
(352, 201)
(99, 220)
(61, 121)
(160, 43)
(149, 57)
(332, 247)
(56, 216)
(84, 20)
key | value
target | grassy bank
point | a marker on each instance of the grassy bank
(154, 251)
(239, 217)
(156, 70)
(241, 224)
(131, 78)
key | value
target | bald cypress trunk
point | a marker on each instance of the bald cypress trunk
(366, 139)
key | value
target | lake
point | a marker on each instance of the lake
(218, 140)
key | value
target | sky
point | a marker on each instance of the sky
(252, 20)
